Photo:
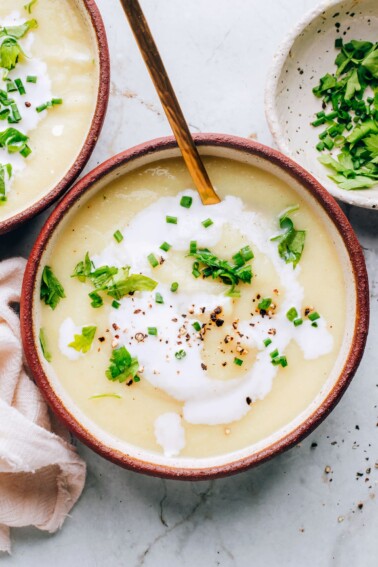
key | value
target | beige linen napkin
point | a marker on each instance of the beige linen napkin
(41, 476)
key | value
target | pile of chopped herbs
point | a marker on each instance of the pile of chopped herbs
(208, 264)
(349, 141)
(114, 282)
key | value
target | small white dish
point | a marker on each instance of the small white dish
(304, 57)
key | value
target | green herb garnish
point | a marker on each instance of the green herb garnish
(196, 326)
(110, 395)
(82, 343)
(31, 79)
(96, 300)
(267, 342)
(238, 361)
(265, 304)
(159, 298)
(314, 316)
(14, 141)
(171, 220)
(122, 366)
(165, 246)
(214, 267)
(43, 343)
(28, 7)
(10, 49)
(352, 125)
(114, 282)
(291, 242)
(206, 223)
(186, 202)
(292, 314)
(153, 260)
(180, 354)
(116, 304)
(118, 236)
(174, 287)
(5, 175)
(152, 331)
(51, 289)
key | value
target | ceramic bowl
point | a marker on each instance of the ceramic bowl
(350, 257)
(307, 54)
(92, 16)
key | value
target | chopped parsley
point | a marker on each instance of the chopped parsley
(43, 343)
(82, 343)
(122, 366)
(51, 289)
(10, 49)
(114, 282)
(291, 242)
(349, 141)
(209, 265)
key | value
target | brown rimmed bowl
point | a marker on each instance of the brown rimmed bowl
(357, 319)
(92, 16)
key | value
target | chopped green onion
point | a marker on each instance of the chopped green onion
(195, 271)
(314, 324)
(238, 361)
(165, 246)
(180, 354)
(11, 87)
(274, 353)
(153, 260)
(267, 342)
(26, 151)
(314, 316)
(193, 247)
(110, 395)
(118, 236)
(292, 314)
(41, 107)
(20, 86)
(159, 298)
(298, 322)
(282, 360)
(43, 343)
(186, 202)
(196, 326)
(56, 101)
(171, 220)
(265, 304)
(233, 293)
(97, 300)
(206, 223)
(152, 331)
(31, 79)
(116, 304)
(174, 286)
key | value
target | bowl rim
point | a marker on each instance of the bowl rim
(281, 54)
(91, 139)
(355, 353)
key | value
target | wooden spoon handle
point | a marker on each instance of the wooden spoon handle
(169, 101)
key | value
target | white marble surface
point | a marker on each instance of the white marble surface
(289, 512)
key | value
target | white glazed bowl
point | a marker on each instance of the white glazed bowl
(307, 54)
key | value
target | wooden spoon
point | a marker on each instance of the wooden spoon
(169, 101)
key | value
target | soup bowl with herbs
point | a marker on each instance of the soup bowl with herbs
(191, 341)
(54, 86)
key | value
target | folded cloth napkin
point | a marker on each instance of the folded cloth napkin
(41, 476)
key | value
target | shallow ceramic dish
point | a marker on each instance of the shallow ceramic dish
(75, 67)
(307, 54)
(353, 339)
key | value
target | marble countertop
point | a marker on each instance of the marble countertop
(315, 505)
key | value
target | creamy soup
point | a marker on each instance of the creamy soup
(48, 91)
(227, 334)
